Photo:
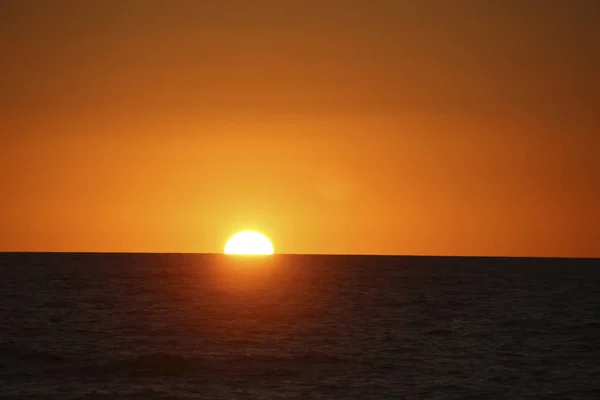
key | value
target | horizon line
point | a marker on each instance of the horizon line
(303, 254)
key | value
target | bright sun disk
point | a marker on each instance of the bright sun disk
(248, 242)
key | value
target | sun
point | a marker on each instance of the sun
(248, 242)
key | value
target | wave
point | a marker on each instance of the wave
(164, 363)
(156, 364)
(169, 364)
(14, 354)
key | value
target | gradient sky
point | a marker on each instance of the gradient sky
(460, 127)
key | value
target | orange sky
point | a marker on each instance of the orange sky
(387, 127)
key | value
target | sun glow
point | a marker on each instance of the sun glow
(249, 243)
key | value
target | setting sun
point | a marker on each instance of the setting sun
(248, 242)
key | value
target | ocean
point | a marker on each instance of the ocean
(183, 326)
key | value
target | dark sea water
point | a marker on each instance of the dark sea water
(135, 326)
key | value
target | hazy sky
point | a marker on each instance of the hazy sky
(461, 127)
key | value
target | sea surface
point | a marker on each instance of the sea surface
(169, 326)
